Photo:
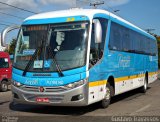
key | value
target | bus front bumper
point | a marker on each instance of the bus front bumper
(74, 97)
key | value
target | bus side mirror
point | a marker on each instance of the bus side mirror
(4, 33)
(97, 31)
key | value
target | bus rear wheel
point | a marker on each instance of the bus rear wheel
(3, 86)
(107, 98)
(145, 86)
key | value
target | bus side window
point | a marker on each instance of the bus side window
(125, 37)
(97, 50)
(115, 42)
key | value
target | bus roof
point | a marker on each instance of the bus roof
(83, 12)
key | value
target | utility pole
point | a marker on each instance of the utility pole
(116, 11)
(95, 4)
(149, 30)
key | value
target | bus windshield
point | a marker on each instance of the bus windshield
(65, 43)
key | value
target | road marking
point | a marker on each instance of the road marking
(141, 109)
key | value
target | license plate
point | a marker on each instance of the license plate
(45, 100)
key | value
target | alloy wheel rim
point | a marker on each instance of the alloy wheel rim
(4, 86)
(145, 85)
(107, 95)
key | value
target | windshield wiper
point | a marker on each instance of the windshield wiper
(38, 50)
(51, 52)
(55, 61)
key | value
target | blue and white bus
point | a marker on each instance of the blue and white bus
(81, 56)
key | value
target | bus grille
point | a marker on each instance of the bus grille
(52, 98)
(46, 89)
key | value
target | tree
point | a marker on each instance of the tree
(12, 46)
(6, 50)
(158, 38)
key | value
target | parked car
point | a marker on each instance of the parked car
(5, 71)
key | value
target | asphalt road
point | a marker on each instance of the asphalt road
(132, 104)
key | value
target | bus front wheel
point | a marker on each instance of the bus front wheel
(107, 98)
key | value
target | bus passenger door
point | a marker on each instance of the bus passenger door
(96, 66)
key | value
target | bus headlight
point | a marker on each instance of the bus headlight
(76, 84)
(17, 84)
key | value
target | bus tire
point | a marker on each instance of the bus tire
(106, 101)
(3, 86)
(145, 86)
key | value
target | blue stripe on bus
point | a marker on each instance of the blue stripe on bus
(69, 77)
(53, 74)
(111, 65)
(55, 20)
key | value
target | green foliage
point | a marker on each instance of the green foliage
(158, 38)
(6, 50)
(12, 47)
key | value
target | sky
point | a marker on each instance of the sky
(142, 13)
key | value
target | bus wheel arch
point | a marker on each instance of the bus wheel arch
(146, 76)
(109, 92)
(111, 82)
